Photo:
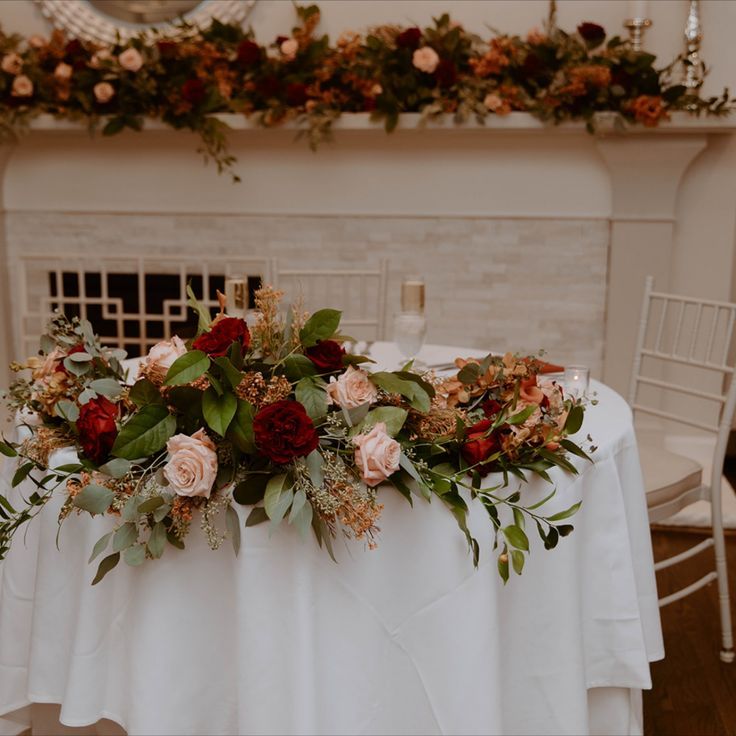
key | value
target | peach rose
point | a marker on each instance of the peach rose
(192, 466)
(352, 389)
(530, 393)
(63, 72)
(496, 104)
(104, 92)
(289, 48)
(22, 86)
(425, 59)
(99, 57)
(163, 354)
(11, 63)
(131, 59)
(376, 454)
(376, 89)
(37, 42)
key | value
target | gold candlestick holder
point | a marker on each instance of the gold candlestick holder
(636, 28)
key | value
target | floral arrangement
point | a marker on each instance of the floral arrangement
(552, 74)
(280, 417)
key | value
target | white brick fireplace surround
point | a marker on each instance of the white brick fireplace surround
(528, 237)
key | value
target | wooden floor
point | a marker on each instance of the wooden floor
(694, 693)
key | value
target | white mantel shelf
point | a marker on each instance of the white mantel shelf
(516, 122)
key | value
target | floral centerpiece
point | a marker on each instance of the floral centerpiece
(277, 415)
(443, 69)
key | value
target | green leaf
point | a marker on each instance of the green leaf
(322, 325)
(564, 529)
(144, 392)
(251, 490)
(107, 564)
(67, 410)
(113, 126)
(353, 417)
(150, 505)
(574, 419)
(300, 499)
(302, 520)
(219, 410)
(408, 466)
(274, 487)
(516, 537)
(145, 433)
(124, 536)
(257, 516)
(233, 375)
(469, 373)
(203, 315)
(135, 555)
(100, 546)
(394, 384)
(523, 415)
(240, 432)
(314, 465)
(7, 450)
(75, 368)
(310, 393)
(21, 474)
(298, 366)
(416, 378)
(567, 513)
(161, 512)
(282, 506)
(503, 567)
(115, 468)
(157, 540)
(130, 510)
(575, 449)
(232, 523)
(517, 560)
(542, 502)
(187, 368)
(108, 387)
(392, 416)
(93, 498)
(82, 357)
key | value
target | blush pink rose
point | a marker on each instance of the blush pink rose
(63, 72)
(11, 63)
(376, 455)
(104, 92)
(289, 48)
(192, 466)
(22, 86)
(425, 59)
(352, 389)
(131, 60)
(163, 354)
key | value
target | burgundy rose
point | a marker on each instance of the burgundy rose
(326, 356)
(446, 73)
(222, 335)
(166, 48)
(73, 48)
(269, 86)
(249, 52)
(296, 94)
(283, 431)
(193, 91)
(491, 407)
(592, 34)
(409, 39)
(478, 447)
(97, 428)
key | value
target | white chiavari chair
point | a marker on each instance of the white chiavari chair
(359, 292)
(683, 350)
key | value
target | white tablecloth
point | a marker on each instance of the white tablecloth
(408, 638)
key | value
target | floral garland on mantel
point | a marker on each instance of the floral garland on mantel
(554, 75)
(280, 417)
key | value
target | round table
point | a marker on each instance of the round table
(408, 638)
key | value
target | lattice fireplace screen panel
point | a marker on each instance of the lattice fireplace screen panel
(131, 302)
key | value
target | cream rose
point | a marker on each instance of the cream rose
(22, 86)
(11, 63)
(63, 72)
(425, 59)
(163, 354)
(289, 48)
(104, 92)
(352, 389)
(192, 466)
(131, 59)
(376, 454)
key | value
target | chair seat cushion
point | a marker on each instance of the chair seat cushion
(667, 475)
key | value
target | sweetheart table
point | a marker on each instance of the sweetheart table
(408, 638)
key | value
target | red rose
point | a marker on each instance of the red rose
(326, 356)
(73, 48)
(249, 53)
(409, 39)
(269, 86)
(592, 34)
(193, 91)
(491, 407)
(166, 48)
(478, 447)
(446, 73)
(283, 431)
(296, 94)
(97, 428)
(223, 334)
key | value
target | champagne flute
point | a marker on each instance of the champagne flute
(410, 325)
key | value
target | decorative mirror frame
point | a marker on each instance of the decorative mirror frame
(81, 20)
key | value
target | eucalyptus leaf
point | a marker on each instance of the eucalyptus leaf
(116, 468)
(86, 396)
(257, 516)
(100, 546)
(157, 540)
(232, 523)
(274, 488)
(94, 499)
(124, 537)
(251, 490)
(67, 410)
(315, 462)
(108, 387)
(135, 555)
(150, 505)
(107, 564)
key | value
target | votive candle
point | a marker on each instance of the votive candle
(577, 378)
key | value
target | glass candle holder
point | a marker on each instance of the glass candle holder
(577, 378)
